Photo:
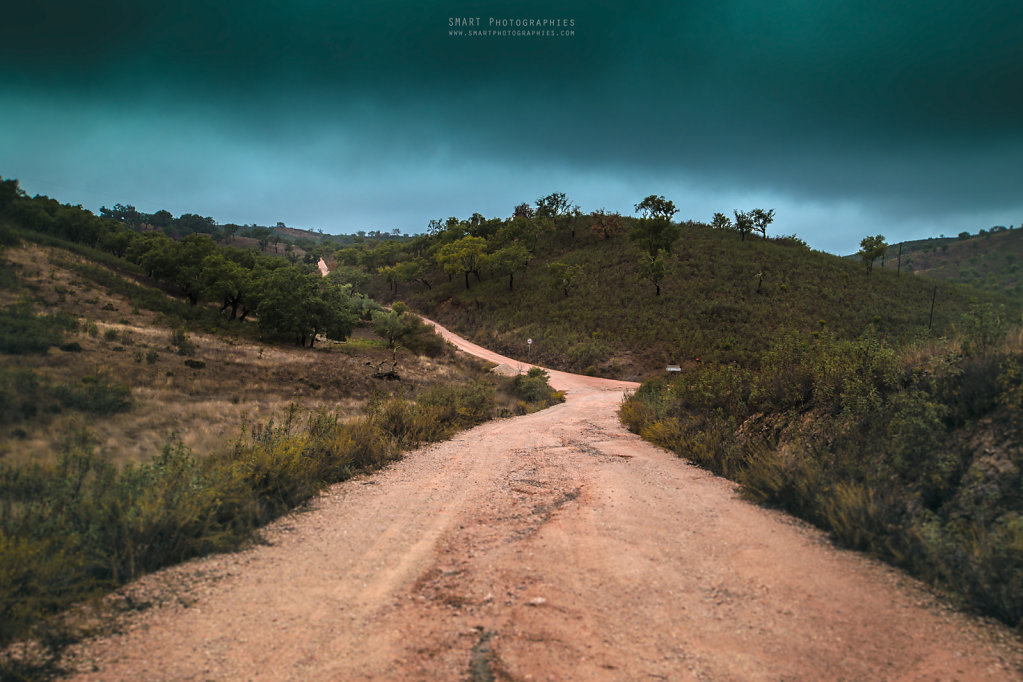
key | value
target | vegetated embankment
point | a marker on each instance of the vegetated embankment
(551, 545)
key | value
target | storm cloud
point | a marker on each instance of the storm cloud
(852, 119)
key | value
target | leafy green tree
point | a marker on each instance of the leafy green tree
(285, 310)
(10, 192)
(413, 270)
(655, 234)
(185, 262)
(116, 239)
(77, 225)
(523, 210)
(162, 219)
(761, 219)
(872, 248)
(123, 214)
(509, 260)
(142, 245)
(656, 206)
(553, 205)
(192, 222)
(467, 256)
(337, 314)
(393, 325)
(225, 281)
(743, 223)
(297, 305)
(480, 226)
(721, 221)
(345, 274)
(653, 268)
(563, 276)
(390, 275)
(526, 231)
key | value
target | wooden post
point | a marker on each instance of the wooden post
(899, 271)
(934, 295)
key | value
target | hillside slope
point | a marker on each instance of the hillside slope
(551, 546)
(721, 300)
(991, 260)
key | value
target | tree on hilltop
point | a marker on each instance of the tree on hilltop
(656, 206)
(872, 248)
(523, 210)
(761, 219)
(721, 221)
(553, 205)
(743, 222)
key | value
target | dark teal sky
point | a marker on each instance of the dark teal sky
(848, 119)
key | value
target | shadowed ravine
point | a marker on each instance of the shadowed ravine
(551, 546)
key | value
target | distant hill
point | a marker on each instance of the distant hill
(991, 260)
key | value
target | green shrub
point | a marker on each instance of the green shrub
(97, 395)
(534, 389)
(22, 331)
(890, 452)
(23, 395)
(180, 340)
(463, 405)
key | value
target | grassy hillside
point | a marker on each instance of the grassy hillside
(721, 300)
(991, 260)
(195, 384)
(138, 430)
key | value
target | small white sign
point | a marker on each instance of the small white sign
(529, 341)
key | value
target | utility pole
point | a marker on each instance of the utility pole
(934, 295)
(899, 271)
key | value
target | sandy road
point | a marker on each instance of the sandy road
(552, 546)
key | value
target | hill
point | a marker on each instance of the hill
(824, 389)
(590, 305)
(145, 419)
(990, 260)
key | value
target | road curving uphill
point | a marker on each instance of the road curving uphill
(550, 546)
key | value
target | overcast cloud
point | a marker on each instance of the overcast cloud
(852, 119)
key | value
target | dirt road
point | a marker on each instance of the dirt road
(552, 546)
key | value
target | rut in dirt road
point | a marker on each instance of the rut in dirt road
(551, 546)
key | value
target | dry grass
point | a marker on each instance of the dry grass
(243, 381)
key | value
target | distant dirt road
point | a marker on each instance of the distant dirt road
(555, 546)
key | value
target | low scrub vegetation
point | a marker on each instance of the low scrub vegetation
(85, 525)
(23, 331)
(910, 453)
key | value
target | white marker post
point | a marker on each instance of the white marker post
(529, 350)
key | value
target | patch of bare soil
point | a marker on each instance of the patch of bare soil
(550, 546)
